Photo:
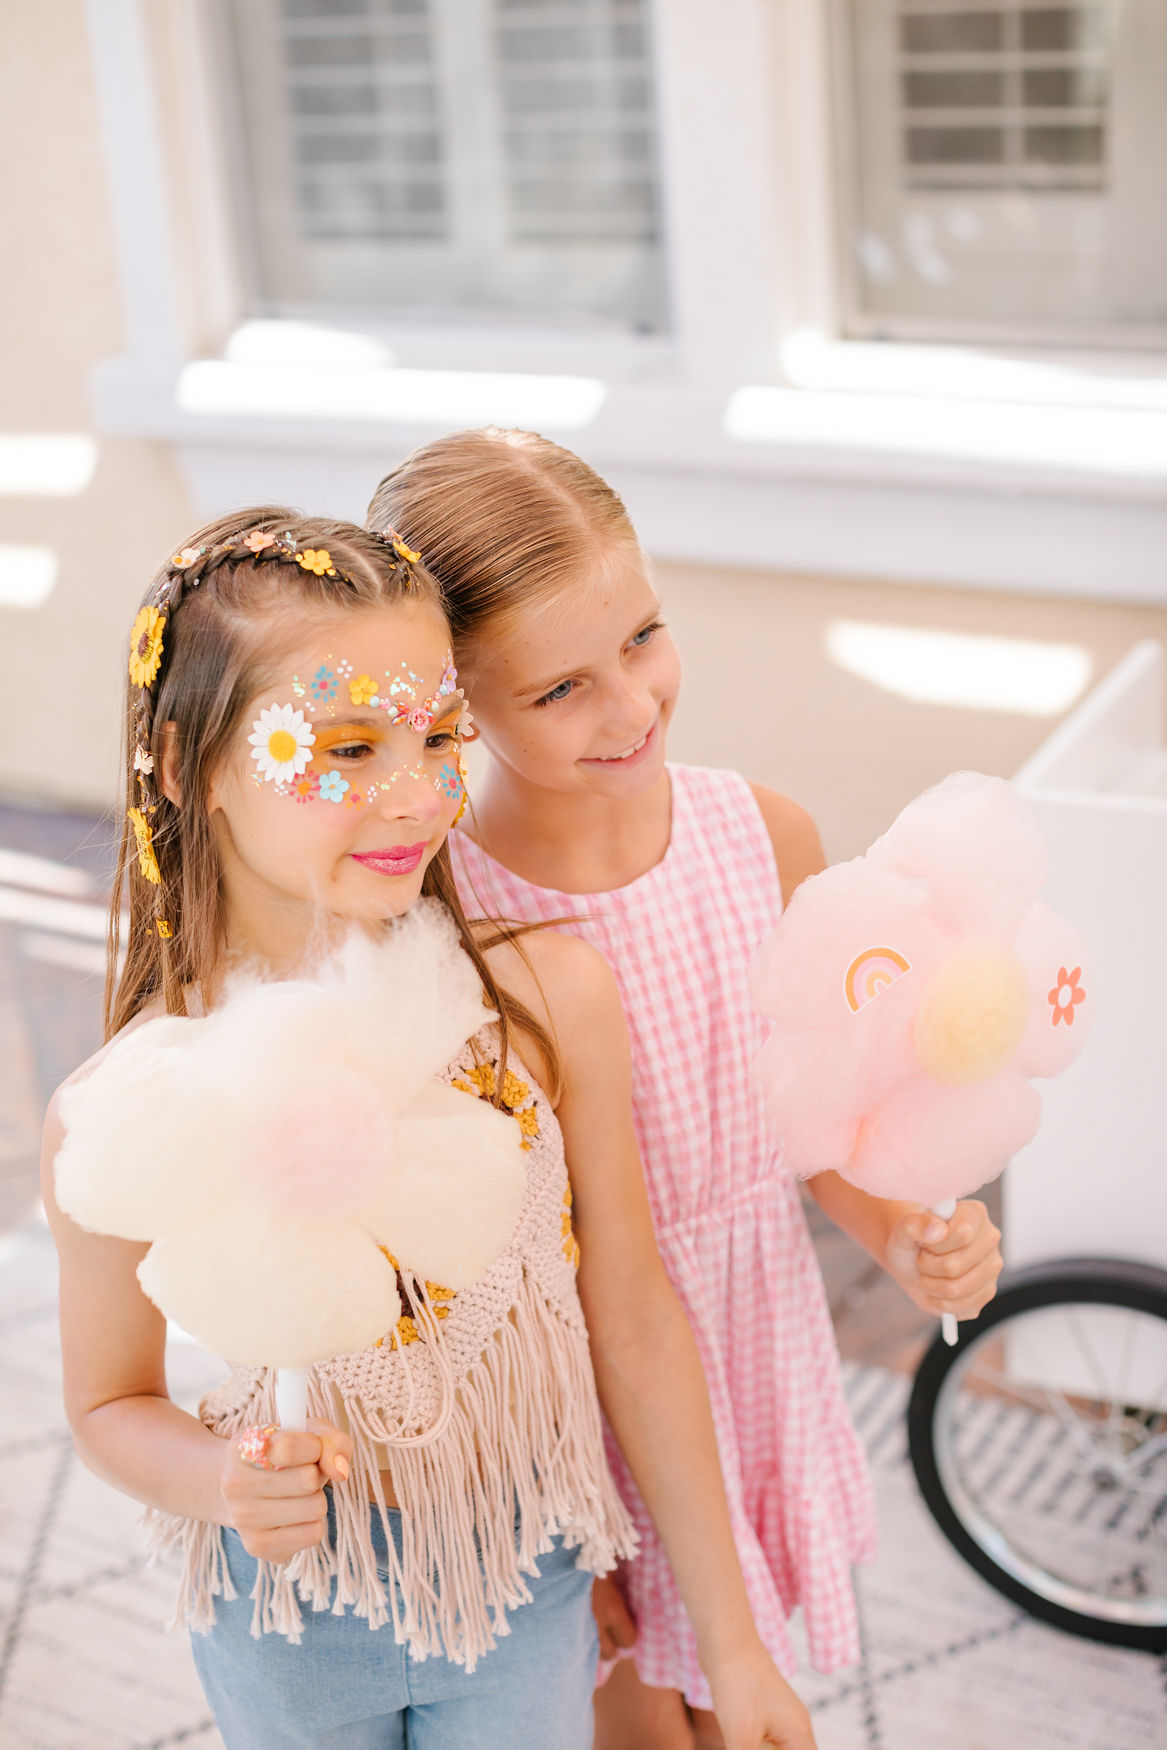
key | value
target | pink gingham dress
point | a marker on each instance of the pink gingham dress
(729, 1223)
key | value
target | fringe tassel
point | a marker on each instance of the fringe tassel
(514, 1459)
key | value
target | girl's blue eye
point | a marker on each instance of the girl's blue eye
(642, 637)
(556, 694)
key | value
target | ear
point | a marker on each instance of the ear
(168, 764)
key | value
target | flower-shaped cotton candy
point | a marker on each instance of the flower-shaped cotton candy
(914, 992)
(274, 1152)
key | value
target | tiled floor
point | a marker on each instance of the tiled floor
(84, 1664)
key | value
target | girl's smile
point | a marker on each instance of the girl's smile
(578, 697)
(639, 753)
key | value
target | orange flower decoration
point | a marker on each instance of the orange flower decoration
(1065, 995)
(187, 556)
(315, 559)
(258, 539)
(405, 552)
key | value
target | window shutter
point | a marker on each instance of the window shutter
(1007, 96)
(445, 156)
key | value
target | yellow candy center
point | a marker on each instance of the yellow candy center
(972, 1015)
(282, 746)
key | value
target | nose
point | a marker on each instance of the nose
(631, 707)
(409, 793)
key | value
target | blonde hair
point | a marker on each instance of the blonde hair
(507, 520)
(213, 606)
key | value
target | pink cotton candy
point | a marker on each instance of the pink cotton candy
(913, 992)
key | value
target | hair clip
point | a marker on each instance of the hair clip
(143, 834)
(146, 646)
(389, 537)
(187, 556)
(318, 560)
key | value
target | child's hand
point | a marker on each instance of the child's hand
(946, 1267)
(283, 1509)
(755, 1706)
(614, 1620)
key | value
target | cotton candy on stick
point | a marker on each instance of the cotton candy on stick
(273, 1153)
(914, 992)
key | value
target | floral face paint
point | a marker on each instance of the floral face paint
(292, 753)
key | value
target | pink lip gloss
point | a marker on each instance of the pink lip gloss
(393, 859)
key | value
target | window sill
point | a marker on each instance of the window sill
(849, 410)
(1049, 479)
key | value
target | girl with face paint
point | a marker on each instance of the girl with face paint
(676, 873)
(294, 725)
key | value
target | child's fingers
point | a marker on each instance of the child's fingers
(279, 1543)
(336, 1450)
(963, 1295)
(285, 1448)
(965, 1227)
(951, 1266)
(614, 1621)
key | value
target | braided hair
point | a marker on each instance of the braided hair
(201, 648)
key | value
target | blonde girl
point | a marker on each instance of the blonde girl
(676, 873)
(274, 803)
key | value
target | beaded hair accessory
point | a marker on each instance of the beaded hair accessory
(186, 571)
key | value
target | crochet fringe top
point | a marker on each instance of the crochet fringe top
(482, 1407)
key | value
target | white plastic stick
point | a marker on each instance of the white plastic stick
(946, 1211)
(292, 1398)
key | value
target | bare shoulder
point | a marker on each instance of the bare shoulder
(798, 850)
(557, 977)
(569, 989)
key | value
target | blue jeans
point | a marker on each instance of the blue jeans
(349, 1687)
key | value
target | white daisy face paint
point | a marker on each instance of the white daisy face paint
(281, 743)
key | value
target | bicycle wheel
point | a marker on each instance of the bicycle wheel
(1040, 1446)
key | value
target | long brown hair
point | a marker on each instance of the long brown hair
(199, 648)
(506, 519)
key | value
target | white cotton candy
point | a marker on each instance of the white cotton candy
(450, 1208)
(272, 1148)
(133, 1126)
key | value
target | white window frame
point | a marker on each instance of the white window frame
(1003, 467)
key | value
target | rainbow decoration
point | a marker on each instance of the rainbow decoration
(871, 972)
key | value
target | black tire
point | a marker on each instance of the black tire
(1077, 1280)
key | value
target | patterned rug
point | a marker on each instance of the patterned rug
(86, 1665)
(948, 1663)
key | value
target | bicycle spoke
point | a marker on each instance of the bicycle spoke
(1058, 1473)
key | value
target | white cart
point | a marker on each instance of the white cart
(1040, 1442)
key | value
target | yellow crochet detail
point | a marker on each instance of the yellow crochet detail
(570, 1243)
(406, 1326)
(482, 1081)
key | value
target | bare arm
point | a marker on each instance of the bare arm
(125, 1426)
(648, 1371)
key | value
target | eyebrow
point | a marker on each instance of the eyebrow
(568, 674)
(450, 705)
